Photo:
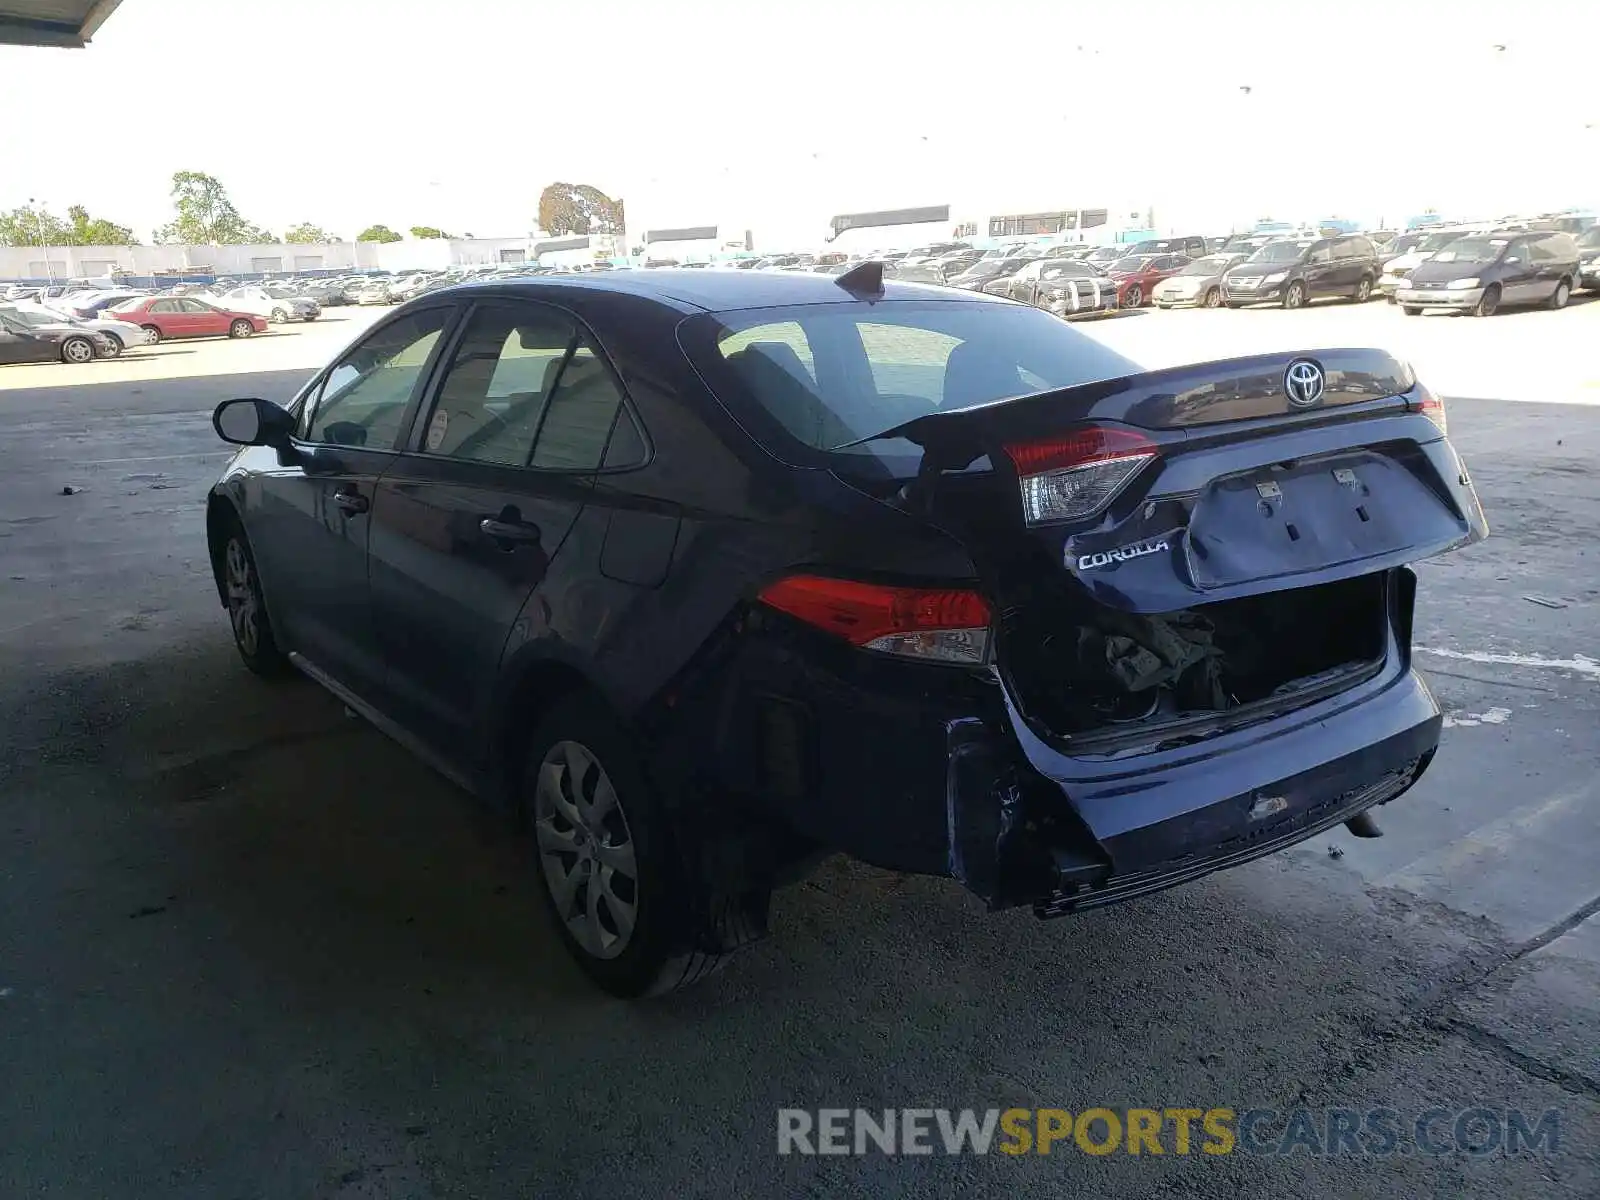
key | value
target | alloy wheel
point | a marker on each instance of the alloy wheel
(77, 350)
(244, 606)
(1295, 296)
(586, 850)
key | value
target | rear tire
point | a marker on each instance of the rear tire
(278, 316)
(616, 864)
(1363, 290)
(1563, 293)
(1488, 303)
(116, 346)
(241, 329)
(152, 334)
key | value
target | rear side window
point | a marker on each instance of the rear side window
(365, 396)
(869, 368)
(525, 388)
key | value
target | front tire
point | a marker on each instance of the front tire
(1213, 298)
(1295, 295)
(616, 866)
(1411, 310)
(247, 607)
(241, 329)
(1488, 303)
(1135, 297)
(77, 350)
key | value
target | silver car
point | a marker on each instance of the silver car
(1198, 285)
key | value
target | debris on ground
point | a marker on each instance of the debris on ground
(68, 490)
(1543, 602)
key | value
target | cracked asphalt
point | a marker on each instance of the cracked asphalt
(249, 948)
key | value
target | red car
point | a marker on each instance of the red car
(1136, 275)
(185, 317)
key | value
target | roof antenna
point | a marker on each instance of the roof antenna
(863, 281)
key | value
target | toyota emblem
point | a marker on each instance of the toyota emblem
(1304, 383)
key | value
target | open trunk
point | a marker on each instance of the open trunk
(1093, 674)
(1195, 545)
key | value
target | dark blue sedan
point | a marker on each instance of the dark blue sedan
(702, 575)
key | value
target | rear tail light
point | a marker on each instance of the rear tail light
(932, 624)
(1077, 475)
(1431, 407)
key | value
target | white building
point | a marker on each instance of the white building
(95, 262)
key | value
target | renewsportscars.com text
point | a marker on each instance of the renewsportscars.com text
(1476, 1131)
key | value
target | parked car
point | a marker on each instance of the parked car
(1198, 284)
(277, 304)
(692, 663)
(164, 317)
(1248, 243)
(1189, 247)
(24, 341)
(1137, 275)
(985, 271)
(372, 291)
(1069, 289)
(123, 335)
(1104, 256)
(91, 304)
(1294, 273)
(1481, 274)
(1397, 267)
(1589, 259)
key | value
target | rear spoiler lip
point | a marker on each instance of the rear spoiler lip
(1155, 400)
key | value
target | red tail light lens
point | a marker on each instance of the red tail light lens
(1075, 476)
(933, 624)
(1431, 407)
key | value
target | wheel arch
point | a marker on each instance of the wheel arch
(221, 515)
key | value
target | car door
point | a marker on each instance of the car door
(311, 524)
(1546, 268)
(165, 316)
(469, 519)
(1519, 278)
(19, 344)
(1320, 270)
(201, 319)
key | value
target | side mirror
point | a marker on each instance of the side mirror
(252, 423)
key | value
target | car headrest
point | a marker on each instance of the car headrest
(974, 374)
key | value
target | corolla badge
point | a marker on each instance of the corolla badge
(1104, 558)
(1304, 383)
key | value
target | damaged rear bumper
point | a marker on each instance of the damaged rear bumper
(1074, 832)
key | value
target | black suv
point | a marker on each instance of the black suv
(1478, 274)
(1295, 271)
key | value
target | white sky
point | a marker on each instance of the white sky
(776, 116)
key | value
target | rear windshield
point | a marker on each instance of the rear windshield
(826, 375)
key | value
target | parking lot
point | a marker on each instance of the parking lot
(249, 947)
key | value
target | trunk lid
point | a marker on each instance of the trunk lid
(1248, 479)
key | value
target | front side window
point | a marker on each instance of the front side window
(1320, 255)
(364, 397)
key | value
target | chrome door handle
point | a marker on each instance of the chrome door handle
(502, 530)
(351, 503)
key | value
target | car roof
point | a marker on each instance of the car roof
(714, 291)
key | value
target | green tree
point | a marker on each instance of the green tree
(578, 208)
(29, 226)
(377, 233)
(429, 233)
(205, 216)
(97, 231)
(307, 232)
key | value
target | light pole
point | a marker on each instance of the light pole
(38, 218)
